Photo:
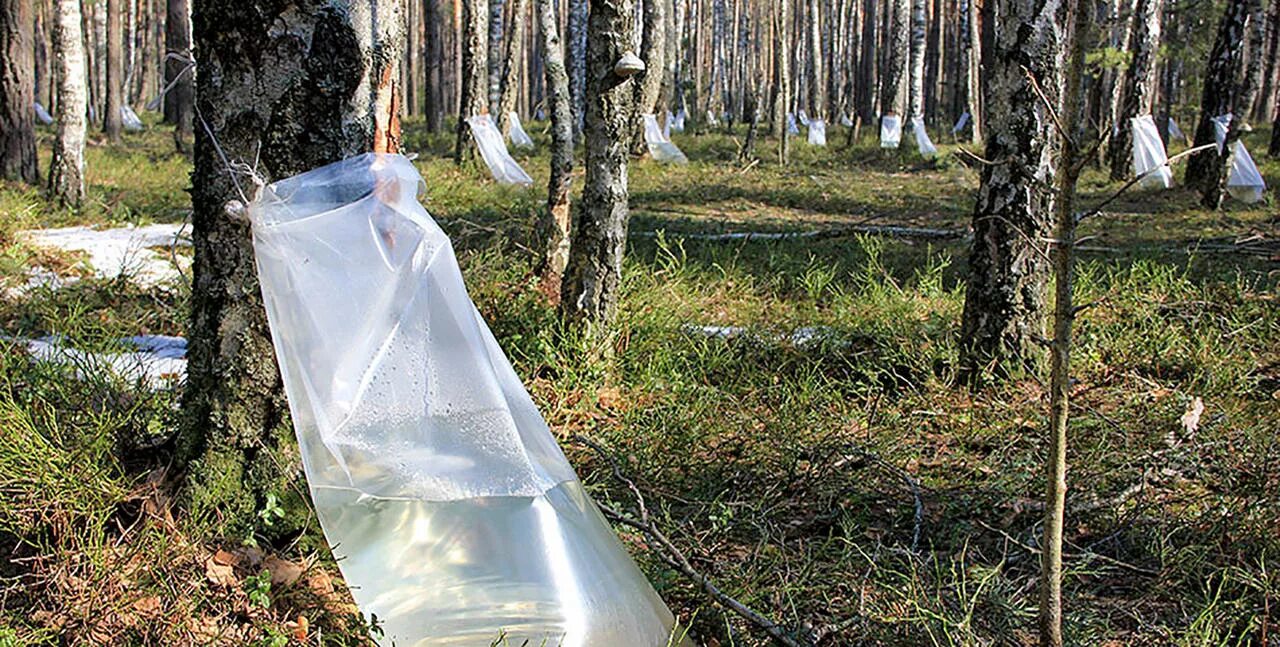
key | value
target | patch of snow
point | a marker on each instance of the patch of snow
(800, 337)
(158, 361)
(121, 251)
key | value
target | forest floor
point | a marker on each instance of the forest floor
(838, 480)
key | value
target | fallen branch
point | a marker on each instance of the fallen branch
(822, 234)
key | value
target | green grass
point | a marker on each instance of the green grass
(750, 452)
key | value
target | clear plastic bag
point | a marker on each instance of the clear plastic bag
(1149, 155)
(961, 123)
(1174, 130)
(1244, 182)
(451, 510)
(817, 132)
(923, 143)
(890, 131)
(666, 125)
(712, 120)
(519, 138)
(804, 118)
(129, 119)
(494, 152)
(846, 121)
(659, 146)
(42, 115)
(792, 128)
(678, 125)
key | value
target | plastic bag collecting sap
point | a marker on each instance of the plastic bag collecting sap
(792, 128)
(1149, 155)
(890, 131)
(42, 115)
(494, 152)
(923, 143)
(519, 137)
(817, 132)
(659, 146)
(129, 119)
(678, 124)
(450, 508)
(1244, 182)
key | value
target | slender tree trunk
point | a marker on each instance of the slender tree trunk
(66, 169)
(495, 53)
(434, 46)
(576, 64)
(289, 100)
(648, 83)
(1139, 88)
(896, 54)
(511, 68)
(1169, 81)
(1063, 251)
(112, 123)
(179, 73)
(17, 92)
(593, 276)
(44, 91)
(1252, 82)
(915, 104)
(752, 116)
(1267, 101)
(475, 47)
(781, 89)
(1274, 149)
(552, 228)
(868, 99)
(815, 61)
(1004, 300)
(1220, 95)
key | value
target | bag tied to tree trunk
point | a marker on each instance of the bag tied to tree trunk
(1244, 182)
(42, 115)
(817, 132)
(923, 143)
(452, 512)
(660, 146)
(519, 138)
(494, 152)
(129, 119)
(890, 131)
(792, 128)
(1149, 155)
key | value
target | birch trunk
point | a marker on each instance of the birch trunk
(897, 43)
(179, 69)
(552, 229)
(17, 92)
(915, 103)
(66, 168)
(511, 68)
(288, 100)
(1139, 88)
(868, 98)
(475, 47)
(1252, 83)
(1220, 93)
(1004, 300)
(494, 57)
(781, 89)
(815, 61)
(576, 65)
(648, 84)
(593, 276)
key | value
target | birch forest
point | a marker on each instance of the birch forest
(639, 323)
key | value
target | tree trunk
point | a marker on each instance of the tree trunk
(1004, 300)
(1267, 101)
(434, 45)
(179, 72)
(511, 68)
(1252, 82)
(475, 47)
(66, 169)
(286, 100)
(1221, 91)
(594, 273)
(552, 229)
(17, 92)
(868, 97)
(112, 123)
(648, 84)
(897, 43)
(781, 89)
(494, 57)
(915, 104)
(815, 61)
(1169, 82)
(752, 116)
(576, 64)
(1139, 89)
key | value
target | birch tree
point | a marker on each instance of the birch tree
(648, 83)
(1139, 87)
(915, 104)
(511, 65)
(815, 61)
(66, 168)
(494, 55)
(576, 62)
(552, 229)
(593, 276)
(782, 84)
(112, 120)
(289, 100)
(1220, 95)
(1005, 295)
(894, 76)
(179, 72)
(475, 47)
(17, 92)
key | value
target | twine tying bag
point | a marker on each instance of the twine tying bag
(451, 510)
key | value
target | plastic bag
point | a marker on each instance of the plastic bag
(1244, 182)
(451, 510)
(42, 115)
(494, 151)
(961, 123)
(678, 125)
(1149, 155)
(1174, 130)
(804, 119)
(130, 119)
(666, 125)
(519, 137)
(846, 121)
(817, 132)
(923, 143)
(711, 119)
(890, 131)
(659, 146)
(792, 128)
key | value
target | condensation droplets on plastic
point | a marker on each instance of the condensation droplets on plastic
(452, 512)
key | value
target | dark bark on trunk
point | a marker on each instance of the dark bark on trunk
(1004, 300)
(868, 97)
(1221, 91)
(1267, 103)
(593, 276)
(1139, 88)
(552, 229)
(66, 168)
(511, 66)
(648, 84)
(112, 123)
(288, 100)
(1169, 81)
(17, 92)
(475, 48)
(897, 51)
(179, 73)
(434, 46)
(752, 116)
(576, 63)
(782, 89)
(495, 53)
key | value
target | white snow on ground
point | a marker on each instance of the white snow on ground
(158, 361)
(115, 252)
(799, 337)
